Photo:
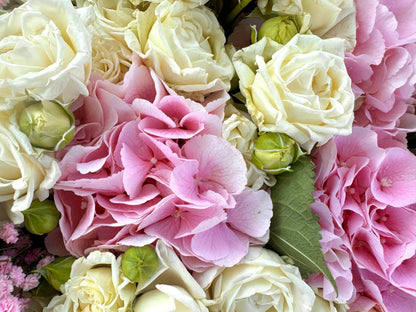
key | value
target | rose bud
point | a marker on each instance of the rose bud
(48, 124)
(139, 263)
(274, 152)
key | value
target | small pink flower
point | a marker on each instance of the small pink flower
(6, 286)
(8, 233)
(31, 281)
(45, 261)
(10, 303)
(17, 276)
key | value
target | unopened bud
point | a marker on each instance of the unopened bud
(47, 124)
(274, 152)
(280, 29)
(139, 263)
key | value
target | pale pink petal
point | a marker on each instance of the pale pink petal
(395, 183)
(252, 212)
(220, 245)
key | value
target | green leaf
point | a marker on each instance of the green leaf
(294, 229)
(57, 272)
(44, 289)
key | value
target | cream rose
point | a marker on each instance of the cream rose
(262, 281)
(111, 17)
(171, 288)
(289, 7)
(184, 45)
(301, 88)
(96, 284)
(328, 18)
(332, 19)
(24, 174)
(241, 132)
(45, 50)
(190, 2)
(322, 305)
(111, 57)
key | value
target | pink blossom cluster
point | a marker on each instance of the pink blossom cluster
(8, 233)
(147, 163)
(366, 199)
(383, 65)
(19, 254)
(12, 277)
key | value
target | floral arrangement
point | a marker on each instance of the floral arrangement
(207, 155)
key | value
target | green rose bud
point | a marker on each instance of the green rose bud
(47, 124)
(41, 217)
(57, 272)
(280, 29)
(274, 152)
(139, 263)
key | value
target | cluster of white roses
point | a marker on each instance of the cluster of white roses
(262, 281)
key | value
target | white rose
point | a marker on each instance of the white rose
(111, 57)
(24, 174)
(262, 281)
(332, 18)
(189, 2)
(328, 18)
(168, 298)
(112, 17)
(301, 88)
(241, 132)
(96, 284)
(184, 45)
(171, 288)
(288, 7)
(45, 50)
(322, 305)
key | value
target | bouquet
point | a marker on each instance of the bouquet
(207, 155)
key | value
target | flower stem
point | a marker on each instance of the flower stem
(237, 10)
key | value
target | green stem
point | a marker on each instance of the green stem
(237, 9)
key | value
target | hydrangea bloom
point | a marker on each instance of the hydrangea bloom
(365, 197)
(382, 66)
(163, 164)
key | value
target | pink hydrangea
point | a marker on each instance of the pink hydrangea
(168, 164)
(365, 197)
(381, 24)
(382, 66)
(130, 186)
(109, 105)
(387, 93)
